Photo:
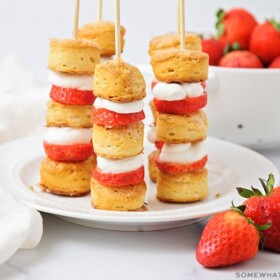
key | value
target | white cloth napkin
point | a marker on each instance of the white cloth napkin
(20, 226)
(22, 112)
(22, 100)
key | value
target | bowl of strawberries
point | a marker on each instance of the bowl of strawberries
(244, 79)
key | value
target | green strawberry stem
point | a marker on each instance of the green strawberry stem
(219, 24)
(275, 23)
(266, 184)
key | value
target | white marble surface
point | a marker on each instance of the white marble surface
(72, 252)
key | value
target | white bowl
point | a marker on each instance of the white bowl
(244, 106)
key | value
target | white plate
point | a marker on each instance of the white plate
(229, 166)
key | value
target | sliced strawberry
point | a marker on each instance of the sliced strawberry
(175, 168)
(159, 144)
(119, 179)
(110, 118)
(203, 84)
(181, 107)
(153, 83)
(67, 153)
(72, 96)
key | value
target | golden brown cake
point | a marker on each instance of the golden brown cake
(127, 198)
(67, 178)
(182, 187)
(103, 34)
(118, 81)
(182, 66)
(154, 111)
(172, 41)
(118, 142)
(153, 170)
(182, 128)
(73, 56)
(68, 115)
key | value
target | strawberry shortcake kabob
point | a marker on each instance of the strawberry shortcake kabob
(181, 125)
(66, 169)
(118, 179)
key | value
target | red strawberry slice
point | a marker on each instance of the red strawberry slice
(119, 179)
(175, 168)
(110, 118)
(181, 107)
(159, 144)
(68, 153)
(72, 96)
(153, 83)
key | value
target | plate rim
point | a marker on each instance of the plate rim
(144, 217)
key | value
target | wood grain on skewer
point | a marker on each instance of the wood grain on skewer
(99, 10)
(182, 25)
(178, 17)
(76, 19)
(117, 30)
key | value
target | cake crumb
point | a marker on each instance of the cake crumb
(218, 195)
(31, 188)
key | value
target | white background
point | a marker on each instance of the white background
(26, 26)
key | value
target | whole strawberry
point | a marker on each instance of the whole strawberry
(265, 41)
(227, 239)
(240, 59)
(214, 49)
(264, 209)
(275, 63)
(235, 26)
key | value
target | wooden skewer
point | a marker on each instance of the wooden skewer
(99, 11)
(117, 30)
(76, 19)
(178, 18)
(182, 25)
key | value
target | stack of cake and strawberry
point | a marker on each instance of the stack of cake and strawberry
(103, 34)
(181, 124)
(118, 178)
(158, 44)
(67, 142)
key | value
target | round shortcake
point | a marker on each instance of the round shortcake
(67, 178)
(172, 41)
(59, 114)
(118, 81)
(103, 34)
(73, 56)
(182, 187)
(180, 66)
(118, 142)
(125, 198)
(153, 170)
(187, 128)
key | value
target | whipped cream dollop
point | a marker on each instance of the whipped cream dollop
(176, 91)
(119, 165)
(183, 153)
(152, 136)
(81, 82)
(67, 135)
(121, 108)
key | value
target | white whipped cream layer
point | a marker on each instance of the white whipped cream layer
(176, 91)
(183, 153)
(152, 136)
(67, 135)
(121, 108)
(81, 82)
(119, 165)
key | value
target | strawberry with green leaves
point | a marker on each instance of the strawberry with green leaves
(265, 41)
(235, 26)
(228, 238)
(264, 209)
